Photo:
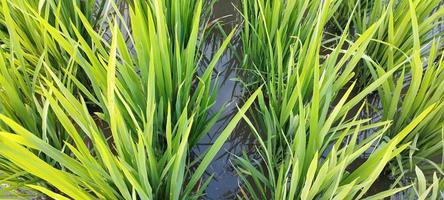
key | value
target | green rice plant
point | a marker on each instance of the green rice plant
(318, 78)
(424, 187)
(407, 94)
(424, 191)
(128, 128)
(276, 24)
(180, 16)
(123, 162)
(307, 141)
(18, 101)
(29, 41)
(395, 36)
(176, 58)
(283, 173)
(25, 45)
(176, 55)
(401, 103)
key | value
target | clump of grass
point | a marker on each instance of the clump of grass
(129, 127)
(410, 36)
(25, 49)
(402, 102)
(123, 162)
(270, 29)
(29, 41)
(395, 36)
(303, 113)
(176, 55)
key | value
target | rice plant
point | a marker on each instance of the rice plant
(124, 162)
(24, 40)
(129, 128)
(29, 41)
(423, 191)
(412, 36)
(395, 37)
(25, 46)
(402, 102)
(275, 24)
(302, 124)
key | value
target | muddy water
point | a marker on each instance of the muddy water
(225, 183)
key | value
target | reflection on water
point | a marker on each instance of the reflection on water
(225, 183)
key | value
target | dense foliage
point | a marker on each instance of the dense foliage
(106, 99)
